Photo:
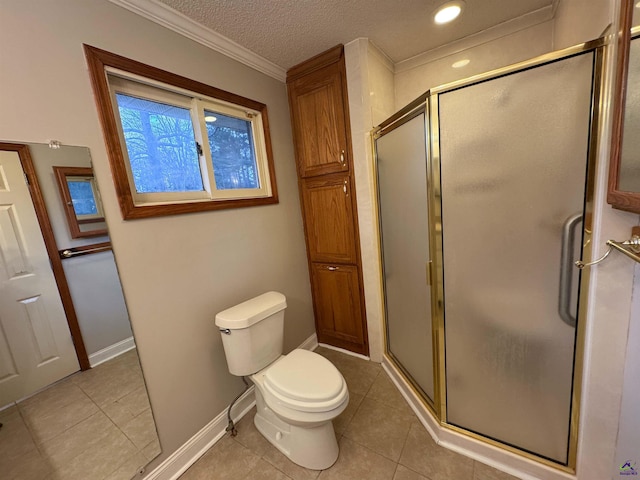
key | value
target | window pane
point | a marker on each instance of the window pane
(84, 203)
(161, 146)
(232, 151)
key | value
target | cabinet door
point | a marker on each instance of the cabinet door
(328, 218)
(338, 305)
(319, 122)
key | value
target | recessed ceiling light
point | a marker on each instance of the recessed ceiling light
(448, 12)
(210, 118)
(461, 63)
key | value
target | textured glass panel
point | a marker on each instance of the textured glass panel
(402, 180)
(161, 146)
(513, 165)
(630, 161)
(232, 151)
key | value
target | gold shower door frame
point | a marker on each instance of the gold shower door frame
(428, 104)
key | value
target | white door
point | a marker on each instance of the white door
(36, 348)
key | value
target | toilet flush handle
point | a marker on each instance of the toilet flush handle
(226, 331)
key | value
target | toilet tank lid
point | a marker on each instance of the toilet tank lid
(252, 311)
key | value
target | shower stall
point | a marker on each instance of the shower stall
(484, 202)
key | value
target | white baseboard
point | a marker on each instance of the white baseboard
(185, 456)
(111, 351)
(310, 343)
(342, 350)
(508, 462)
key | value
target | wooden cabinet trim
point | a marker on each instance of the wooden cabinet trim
(321, 60)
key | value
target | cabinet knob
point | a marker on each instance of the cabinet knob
(342, 158)
(332, 268)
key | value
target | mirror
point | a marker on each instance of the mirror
(81, 201)
(95, 423)
(624, 169)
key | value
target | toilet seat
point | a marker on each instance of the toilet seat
(306, 382)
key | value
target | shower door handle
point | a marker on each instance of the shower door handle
(566, 268)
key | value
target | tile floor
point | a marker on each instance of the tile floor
(380, 439)
(94, 425)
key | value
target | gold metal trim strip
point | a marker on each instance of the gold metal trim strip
(436, 254)
(415, 104)
(597, 107)
(420, 393)
(389, 127)
(509, 448)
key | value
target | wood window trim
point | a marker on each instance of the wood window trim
(627, 201)
(61, 174)
(98, 61)
(52, 249)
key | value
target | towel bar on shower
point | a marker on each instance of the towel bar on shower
(630, 248)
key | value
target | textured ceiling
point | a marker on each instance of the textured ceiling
(288, 32)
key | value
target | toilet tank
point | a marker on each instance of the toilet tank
(252, 332)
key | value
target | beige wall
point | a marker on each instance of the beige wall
(177, 272)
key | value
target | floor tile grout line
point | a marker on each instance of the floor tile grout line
(39, 443)
(404, 444)
(99, 410)
(395, 470)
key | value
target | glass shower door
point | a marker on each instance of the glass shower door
(513, 165)
(404, 230)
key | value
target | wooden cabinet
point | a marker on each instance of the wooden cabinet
(336, 289)
(328, 218)
(317, 105)
(320, 120)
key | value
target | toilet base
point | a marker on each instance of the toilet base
(315, 448)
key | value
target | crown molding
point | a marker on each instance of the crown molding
(377, 52)
(503, 29)
(173, 20)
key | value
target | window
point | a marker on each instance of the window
(80, 201)
(177, 145)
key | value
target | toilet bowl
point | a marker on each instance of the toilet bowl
(297, 395)
(295, 413)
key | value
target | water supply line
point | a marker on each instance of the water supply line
(231, 426)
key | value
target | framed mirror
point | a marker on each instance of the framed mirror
(81, 201)
(624, 168)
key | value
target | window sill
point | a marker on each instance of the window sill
(132, 211)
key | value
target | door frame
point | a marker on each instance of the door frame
(37, 199)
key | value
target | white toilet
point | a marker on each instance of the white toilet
(297, 395)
